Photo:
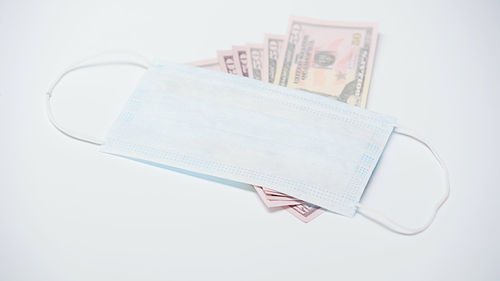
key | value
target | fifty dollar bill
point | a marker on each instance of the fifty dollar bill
(226, 61)
(328, 58)
(240, 60)
(273, 47)
(255, 58)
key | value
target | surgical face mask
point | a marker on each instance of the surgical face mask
(307, 146)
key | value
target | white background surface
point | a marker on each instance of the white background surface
(69, 212)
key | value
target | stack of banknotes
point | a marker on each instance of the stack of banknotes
(328, 58)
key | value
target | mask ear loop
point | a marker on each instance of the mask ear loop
(76, 135)
(436, 207)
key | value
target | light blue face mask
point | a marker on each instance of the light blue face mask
(310, 147)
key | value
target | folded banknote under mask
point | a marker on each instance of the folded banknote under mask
(311, 147)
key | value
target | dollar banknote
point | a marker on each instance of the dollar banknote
(255, 58)
(212, 64)
(328, 58)
(240, 60)
(270, 203)
(273, 46)
(305, 212)
(298, 208)
(226, 61)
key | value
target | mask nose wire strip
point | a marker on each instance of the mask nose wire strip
(68, 69)
(436, 207)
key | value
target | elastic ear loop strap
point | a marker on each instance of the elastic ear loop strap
(70, 68)
(437, 206)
